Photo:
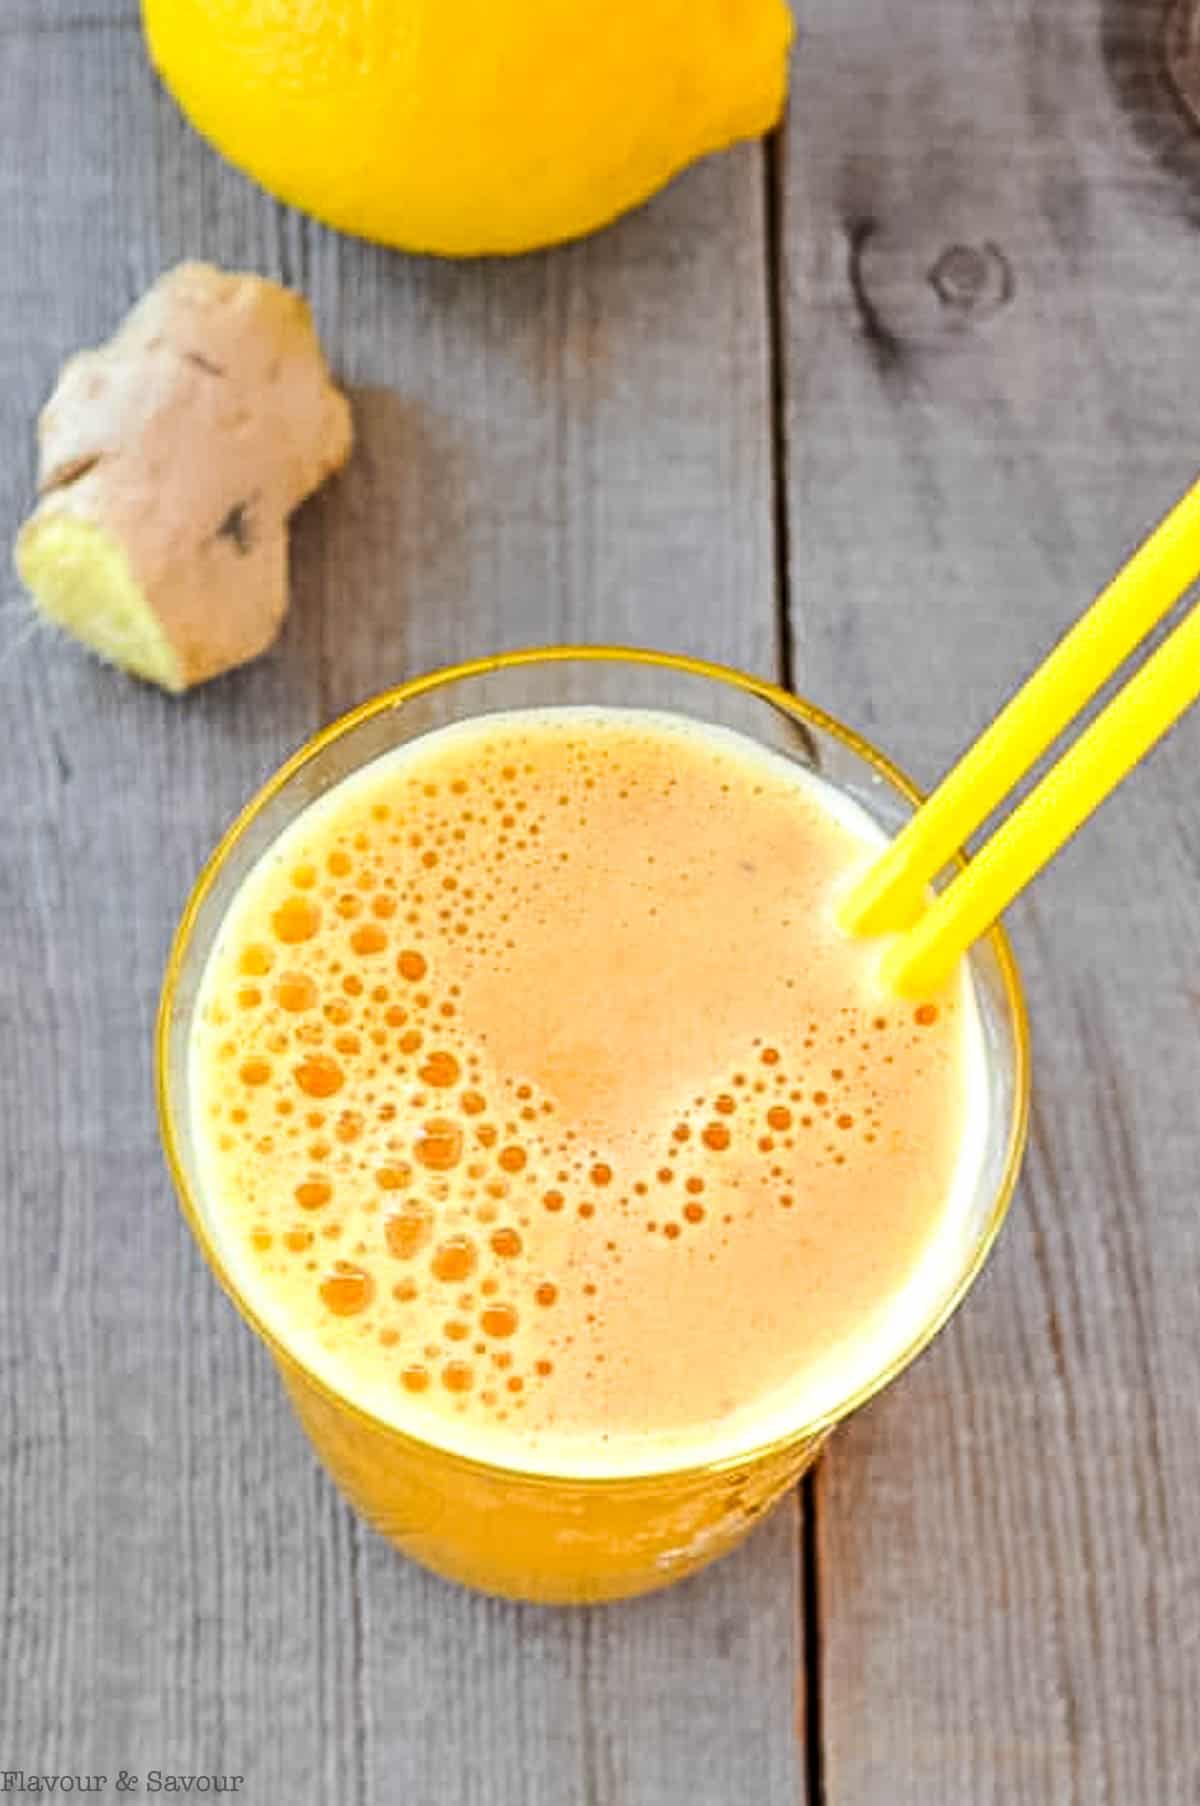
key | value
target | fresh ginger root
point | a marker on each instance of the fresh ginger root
(171, 458)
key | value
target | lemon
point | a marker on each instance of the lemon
(464, 126)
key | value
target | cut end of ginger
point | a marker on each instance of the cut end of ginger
(81, 581)
(171, 459)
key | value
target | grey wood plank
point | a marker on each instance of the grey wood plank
(992, 391)
(574, 445)
(54, 18)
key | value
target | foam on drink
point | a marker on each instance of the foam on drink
(541, 1108)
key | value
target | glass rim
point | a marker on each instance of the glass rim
(807, 713)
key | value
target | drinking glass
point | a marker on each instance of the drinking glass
(533, 1535)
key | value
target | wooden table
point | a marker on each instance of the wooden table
(874, 409)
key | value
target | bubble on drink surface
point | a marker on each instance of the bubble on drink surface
(439, 1145)
(498, 1320)
(296, 992)
(347, 1290)
(369, 939)
(454, 1259)
(458, 1376)
(296, 919)
(319, 1075)
(409, 1229)
(440, 1069)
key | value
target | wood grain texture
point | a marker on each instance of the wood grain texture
(989, 286)
(566, 446)
(75, 18)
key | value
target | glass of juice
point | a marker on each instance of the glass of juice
(530, 1106)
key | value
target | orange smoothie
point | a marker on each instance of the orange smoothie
(542, 1110)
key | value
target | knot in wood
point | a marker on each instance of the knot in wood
(925, 284)
(972, 279)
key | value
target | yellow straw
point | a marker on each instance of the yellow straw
(1167, 684)
(890, 895)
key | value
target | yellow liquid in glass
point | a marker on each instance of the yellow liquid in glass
(543, 1110)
